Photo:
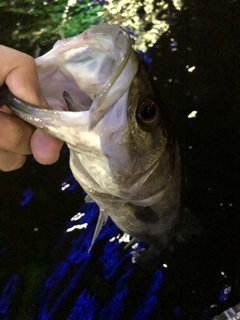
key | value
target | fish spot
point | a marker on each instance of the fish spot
(146, 214)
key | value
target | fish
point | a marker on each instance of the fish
(123, 150)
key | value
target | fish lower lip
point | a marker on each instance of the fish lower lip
(11, 101)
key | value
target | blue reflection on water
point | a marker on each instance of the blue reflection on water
(44, 314)
(27, 196)
(151, 298)
(114, 307)
(174, 43)
(79, 256)
(177, 312)
(65, 278)
(224, 293)
(7, 294)
(110, 259)
(84, 305)
(145, 56)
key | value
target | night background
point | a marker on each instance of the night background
(192, 48)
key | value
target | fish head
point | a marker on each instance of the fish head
(104, 107)
(82, 78)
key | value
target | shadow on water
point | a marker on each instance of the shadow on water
(45, 269)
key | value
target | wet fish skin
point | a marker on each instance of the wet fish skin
(133, 170)
(152, 214)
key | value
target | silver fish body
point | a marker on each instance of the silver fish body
(122, 150)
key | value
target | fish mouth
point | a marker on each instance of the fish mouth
(82, 78)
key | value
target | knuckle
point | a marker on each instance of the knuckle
(14, 135)
(11, 141)
(29, 61)
(14, 142)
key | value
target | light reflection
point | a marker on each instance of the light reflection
(136, 253)
(141, 18)
(77, 216)
(78, 226)
(193, 114)
(230, 314)
(135, 246)
(190, 69)
(112, 239)
(65, 186)
(224, 293)
(125, 238)
(71, 3)
(69, 184)
(177, 4)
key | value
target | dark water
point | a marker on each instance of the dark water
(47, 273)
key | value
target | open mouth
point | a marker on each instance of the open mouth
(88, 72)
(81, 78)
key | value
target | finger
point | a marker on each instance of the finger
(10, 161)
(15, 134)
(45, 149)
(5, 109)
(20, 74)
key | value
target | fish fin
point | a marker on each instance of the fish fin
(88, 199)
(189, 227)
(71, 104)
(102, 219)
(131, 243)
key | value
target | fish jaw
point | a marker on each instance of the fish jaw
(96, 68)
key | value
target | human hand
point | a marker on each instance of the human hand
(18, 138)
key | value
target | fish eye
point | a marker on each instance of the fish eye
(148, 112)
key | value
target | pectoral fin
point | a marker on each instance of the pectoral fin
(189, 227)
(88, 199)
(102, 219)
